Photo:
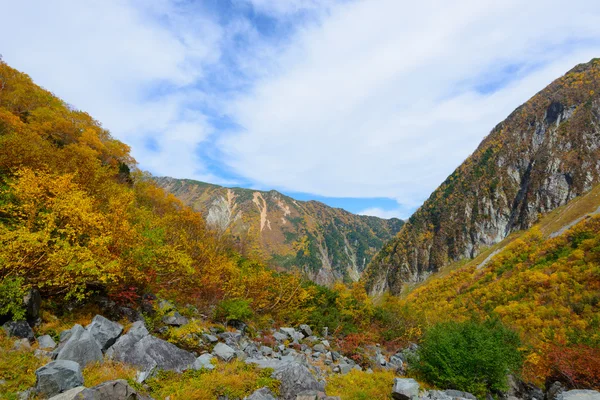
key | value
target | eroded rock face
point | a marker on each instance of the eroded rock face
(57, 377)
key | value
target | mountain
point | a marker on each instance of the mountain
(543, 155)
(326, 243)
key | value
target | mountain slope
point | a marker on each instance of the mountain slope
(543, 155)
(326, 243)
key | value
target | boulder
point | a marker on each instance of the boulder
(405, 389)
(579, 395)
(280, 337)
(457, 394)
(175, 319)
(292, 334)
(148, 352)
(320, 348)
(305, 329)
(32, 302)
(22, 344)
(110, 390)
(104, 331)
(261, 394)
(224, 352)
(554, 391)
(19, 329)
(237, 324)
(69, 394)
(210, 338)
(295, 378)
(57, 377)
(81, 347)
(46, 342)
(204, 362)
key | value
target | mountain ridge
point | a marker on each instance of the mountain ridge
(327, 244)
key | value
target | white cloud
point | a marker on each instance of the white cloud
(378, 100)
(382, 213)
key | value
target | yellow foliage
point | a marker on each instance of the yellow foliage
(361, 385)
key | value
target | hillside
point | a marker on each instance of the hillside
(543, 155)
(326, 243)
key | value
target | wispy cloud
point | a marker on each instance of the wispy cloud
(363, 98)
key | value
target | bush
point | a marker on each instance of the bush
(470, 356)
(233, 309)
(11, 298)
(577, 366)
(361, 385)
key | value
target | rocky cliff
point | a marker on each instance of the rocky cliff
(543, 155)
(325, 243)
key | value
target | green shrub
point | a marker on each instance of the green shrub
(470, 356)
(11, 298)
(233, 309)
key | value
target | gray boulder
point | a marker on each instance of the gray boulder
(210, 338)
(261, 394)
(204, 362)
(33, 303)
(579, 395)
(292, 334)
(81, 347)
(104, 331)
(405, 389)
(46, 342)
(457, 394)
(224, 352)
(320, 348)
(305, 329)
(111, 390)
(126, 342)
(175, 319)
(148, 352)
(57, 377)
(295, 378)
(19, 329)
(280, 337)
(69, 394)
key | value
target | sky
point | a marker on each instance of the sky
(366, 105)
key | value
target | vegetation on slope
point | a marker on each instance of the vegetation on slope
(543, 155)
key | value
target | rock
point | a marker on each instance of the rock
(81, 347)
(110, 390)
(295, 378)
(262, 394)
(46, 342)
(22, 344)
(175, 319)
(405, 389)
(280, 337)
(305, 329)
(19, 329)
(131, 314)
(237, 324)
(523, 390)
(57, 377)
(26, 394)
(231, 339)
(326, 343)
(266, 351)
(325, 332)
(344, 368)
(292, 334)
(554, 391)
(210, 338)
(69, 394)
(106, 332)
(148, 352)
(204, 362)
(64, 335)
(224, 352)
(457, 394)
(320, 348)
(32, 302)
(579, 395)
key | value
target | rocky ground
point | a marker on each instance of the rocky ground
(299, 358)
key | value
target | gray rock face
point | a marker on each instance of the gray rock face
(46, 342)
(20, 329)
(104, 331)
(148, 352)
(405, 389)
(579, 395)
(203, 362)
(69, 394)
(261, 394)
(33, 302)
(295, 378)
(57, 377)
(81, 347)
(111, 390)
(224, 352)
(175, 319)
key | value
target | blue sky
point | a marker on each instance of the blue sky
(366, 105)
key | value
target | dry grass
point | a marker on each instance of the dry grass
(361, 385)
(97, 373)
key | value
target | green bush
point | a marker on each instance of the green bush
(11, 298)
(233, 309)
(470, 356)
